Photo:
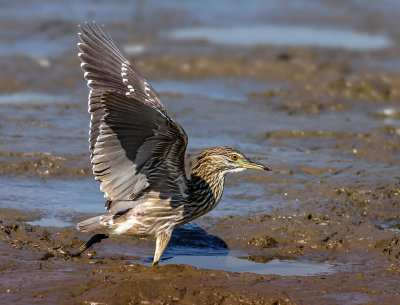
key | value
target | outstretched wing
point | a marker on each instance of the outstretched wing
(136, 148)
(106, 68)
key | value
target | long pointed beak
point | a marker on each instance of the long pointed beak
(254, 165)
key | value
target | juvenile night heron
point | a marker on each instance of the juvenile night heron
(138, 152)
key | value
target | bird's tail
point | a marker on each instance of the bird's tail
(98, 223)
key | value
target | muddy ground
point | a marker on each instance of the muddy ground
(327, 121)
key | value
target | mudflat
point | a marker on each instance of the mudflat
(322, 228)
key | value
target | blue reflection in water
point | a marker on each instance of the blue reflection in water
(234, 264)
(284, 35)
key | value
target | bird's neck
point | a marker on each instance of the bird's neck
(206, 184)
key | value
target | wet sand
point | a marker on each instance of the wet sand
(326, 121)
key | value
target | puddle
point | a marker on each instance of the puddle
(50, 222)
(191, 245)
(284, 35)
(50, 29)
(233, 90)
(393, 228)
(387, 64)
(234, 264)
(30, 98)
(54, 198)
(54, 12)
(37, 46)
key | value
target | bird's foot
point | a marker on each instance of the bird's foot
(155, 263)
(93, 240)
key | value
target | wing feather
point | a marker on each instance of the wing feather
(139, 150)
(106, 68)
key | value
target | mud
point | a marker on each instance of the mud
(327, 121)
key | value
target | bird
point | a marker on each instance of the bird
(138, 152)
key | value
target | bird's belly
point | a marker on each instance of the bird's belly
(150, 220)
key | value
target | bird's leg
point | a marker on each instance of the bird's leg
(161, 244)
(93, 240)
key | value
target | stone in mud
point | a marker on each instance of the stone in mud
(263, 242)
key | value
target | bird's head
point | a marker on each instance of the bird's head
(224, 160)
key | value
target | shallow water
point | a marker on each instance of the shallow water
(52, 198)
(50, 222)
(393, 228)
(191, 245)
(57, 199)
(284, 35)
(31, 98)
(216, 89)
(235, 264)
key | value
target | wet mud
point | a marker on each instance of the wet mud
(327, 121)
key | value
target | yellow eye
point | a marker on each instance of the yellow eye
(235, 157)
